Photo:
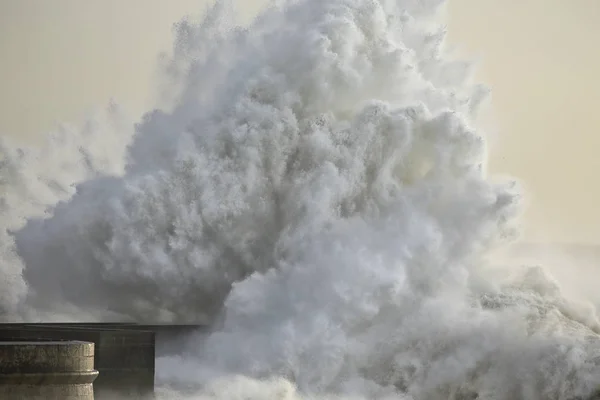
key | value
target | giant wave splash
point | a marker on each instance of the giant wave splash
(316, 191)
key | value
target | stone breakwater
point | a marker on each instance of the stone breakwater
(49, 370)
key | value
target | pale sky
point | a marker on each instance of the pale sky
(60, 58)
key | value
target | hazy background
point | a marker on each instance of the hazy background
(60, 58)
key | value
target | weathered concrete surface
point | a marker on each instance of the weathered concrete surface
(47, 370)
(124, 352)
(124, 357)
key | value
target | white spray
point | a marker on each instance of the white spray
(317, 193)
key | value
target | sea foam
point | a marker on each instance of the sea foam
(316, 193)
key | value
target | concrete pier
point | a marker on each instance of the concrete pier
(124, 357)
(124, 352)
(47, 370)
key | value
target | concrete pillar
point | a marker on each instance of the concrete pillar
(48, 370)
